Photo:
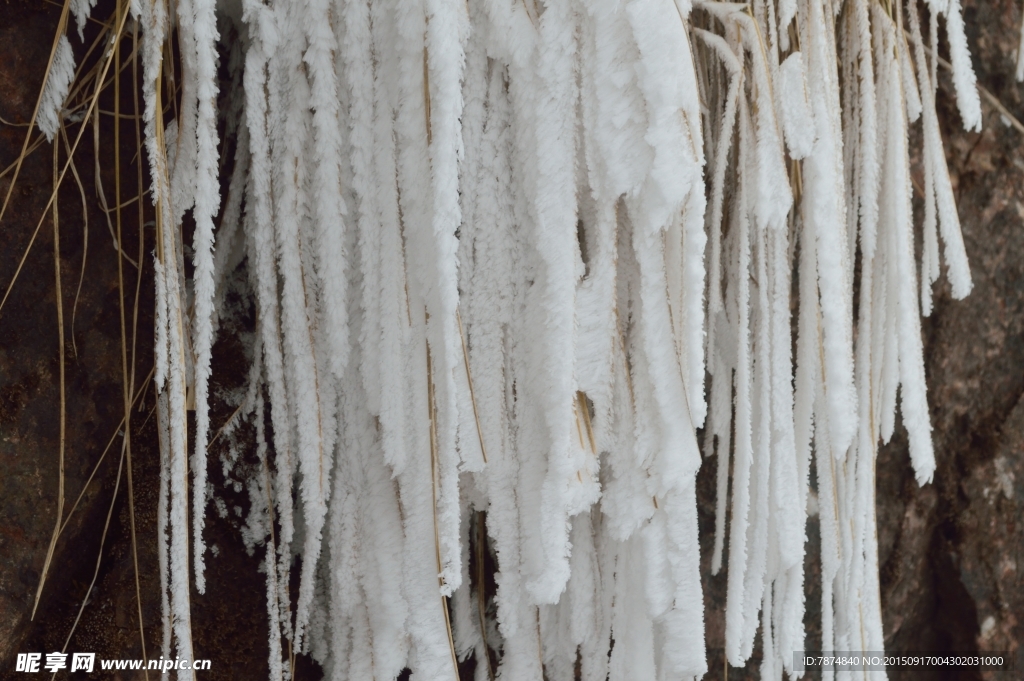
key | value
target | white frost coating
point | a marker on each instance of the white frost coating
(446, 28)
(964, 80)
(935, 164)
(724, 143)
(914, 405)
(174, 444)
(797, 119)
(207, 203)
(261, 255)
(329, 209)
(58, 79)
(825, 207)
(544, 102)
(81, 9)
(787, 11)
(786, 506)
(476, 242)
(910, 87)
(867, 147)
(742, 462)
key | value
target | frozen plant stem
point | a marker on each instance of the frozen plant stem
(493, 249)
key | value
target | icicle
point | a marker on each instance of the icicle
(183, 149)
(911, 92)
(154, 21)
(262, 255)
(431, 558)
(930, 250)
(768, 662)
(684, 653)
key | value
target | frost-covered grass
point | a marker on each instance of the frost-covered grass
(495, 250)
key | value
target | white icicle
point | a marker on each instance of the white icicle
(154, 20)
(182, 149)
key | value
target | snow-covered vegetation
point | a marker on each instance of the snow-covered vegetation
(511, 262)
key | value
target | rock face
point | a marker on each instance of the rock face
(951, 553)
(29, 366)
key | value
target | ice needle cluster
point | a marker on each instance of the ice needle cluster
(507, 258)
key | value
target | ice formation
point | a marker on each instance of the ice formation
(507, 259)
